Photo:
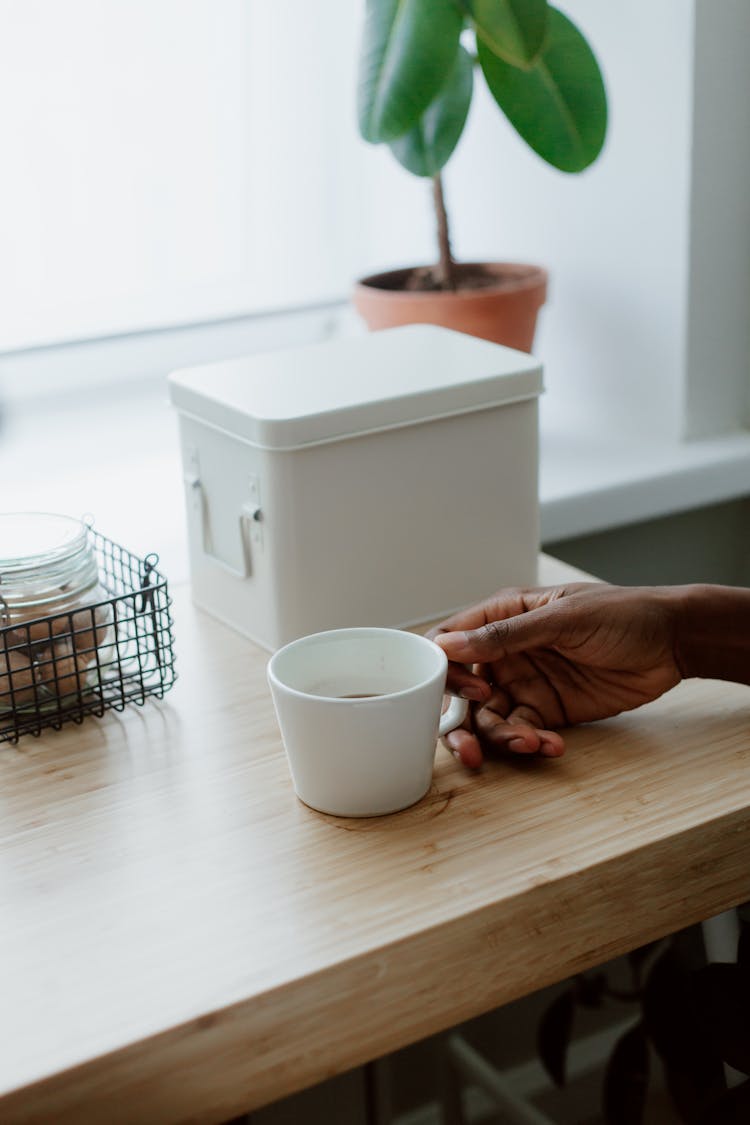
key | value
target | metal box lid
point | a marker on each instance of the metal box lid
(342, 388)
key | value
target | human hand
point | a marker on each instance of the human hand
(554, 656)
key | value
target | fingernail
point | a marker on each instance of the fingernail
(452, 642)
(518, 745)
(551, 749)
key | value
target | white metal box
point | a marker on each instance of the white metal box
(385, 479)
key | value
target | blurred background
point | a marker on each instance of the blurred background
(184, 181)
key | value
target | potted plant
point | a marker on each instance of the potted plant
(415, 87)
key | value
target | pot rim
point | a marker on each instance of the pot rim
(529, 277)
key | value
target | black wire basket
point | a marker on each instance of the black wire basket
(98, 657)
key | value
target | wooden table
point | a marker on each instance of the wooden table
(182, 940)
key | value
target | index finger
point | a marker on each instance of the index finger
(505, 603)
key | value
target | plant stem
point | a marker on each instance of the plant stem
(446, 274)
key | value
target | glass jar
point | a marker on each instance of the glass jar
(52, 624)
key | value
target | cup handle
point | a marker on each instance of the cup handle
(454, 716)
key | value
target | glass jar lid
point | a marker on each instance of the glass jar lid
(46, 561)
(29, 540)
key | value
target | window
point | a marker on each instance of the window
(173, 161)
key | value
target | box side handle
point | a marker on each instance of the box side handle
(249, 515)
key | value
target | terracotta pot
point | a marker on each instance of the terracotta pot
(504, 312)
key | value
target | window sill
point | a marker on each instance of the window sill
(591, 482)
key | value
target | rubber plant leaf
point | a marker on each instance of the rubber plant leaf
(692, 1064)
(408, 50)
(637, 959)
(743, 950)
(590, 990)
(553, 1035)
(730, 1108)
(626, 1079)
(512, 29)
(722, 997)
(426, 148)
(743, 943)
(559, 105)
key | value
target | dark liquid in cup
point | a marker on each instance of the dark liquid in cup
(363, 695)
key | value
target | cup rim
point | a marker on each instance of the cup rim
(367, 630)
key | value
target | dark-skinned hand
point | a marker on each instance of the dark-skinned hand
(535, 660)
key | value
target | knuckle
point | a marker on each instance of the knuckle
(494, 633)
(579, 588)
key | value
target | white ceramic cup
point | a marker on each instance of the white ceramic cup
(370, 755)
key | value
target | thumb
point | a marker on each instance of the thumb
(536, 629)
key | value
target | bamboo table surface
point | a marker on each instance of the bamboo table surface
(182, 940)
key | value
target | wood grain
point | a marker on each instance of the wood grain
(182, 940)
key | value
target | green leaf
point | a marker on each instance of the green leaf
(559, 105)
(722, 996)
(677, 1030)
(553, 1035)
(428, 146)
(408, 50)
(730, 1108)
(512, 29)
(590, 990)
(626, 1079)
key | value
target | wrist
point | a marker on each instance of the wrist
(712, 631)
